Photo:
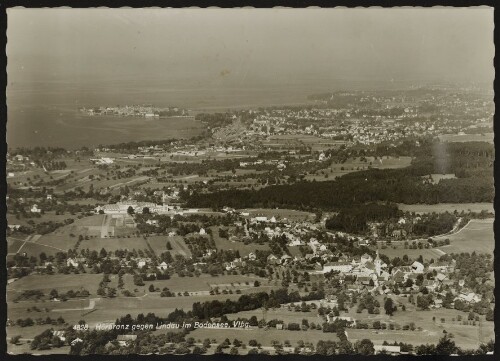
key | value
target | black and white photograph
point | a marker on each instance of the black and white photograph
(250, 181)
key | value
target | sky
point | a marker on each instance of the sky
(254, 48)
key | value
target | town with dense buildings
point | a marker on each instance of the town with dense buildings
(358, 223)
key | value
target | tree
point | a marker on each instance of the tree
(169, 246)
(389, 306)
(206, 343)
(197, 350)
(364, 347)
(490, 315)
(446, 346)
(151, 288)
(423, 302)
(130, 210)
(111, 292)
(145, 210)
(15, 340)
(103, 253)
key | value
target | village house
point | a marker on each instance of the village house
(391, 350)
(417, 267)
(272, 259)
(162, 266)
(443, 267)
(142, 262)
(285, 259)
(75, 262)
(35, 209)
(124, 340)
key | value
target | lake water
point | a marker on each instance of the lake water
(52, 126)
(41, 114)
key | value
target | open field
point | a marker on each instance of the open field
(446, 207)
(112, 244)
(487, 137)
(476, 236)
(282, 314)
(105, 309)
(60, 282)
(466, 336)
(262, 336)
(243, 249)
(201, 286)
(34, 245)
(13, 245)
(159, 245)
(356, 164)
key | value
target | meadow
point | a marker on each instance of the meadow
(356, 164)
(264, 337)
(242, 248)
(477, 236)
(466, 336)
(446, 207)
(159, 245)
(487, 137)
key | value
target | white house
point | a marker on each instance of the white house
(162, 266)
(202, 231)
(417, 267)
(123, 340)
(141, 263)
(75, 262)
(285, 259)
(35, 209)
(392, 350)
